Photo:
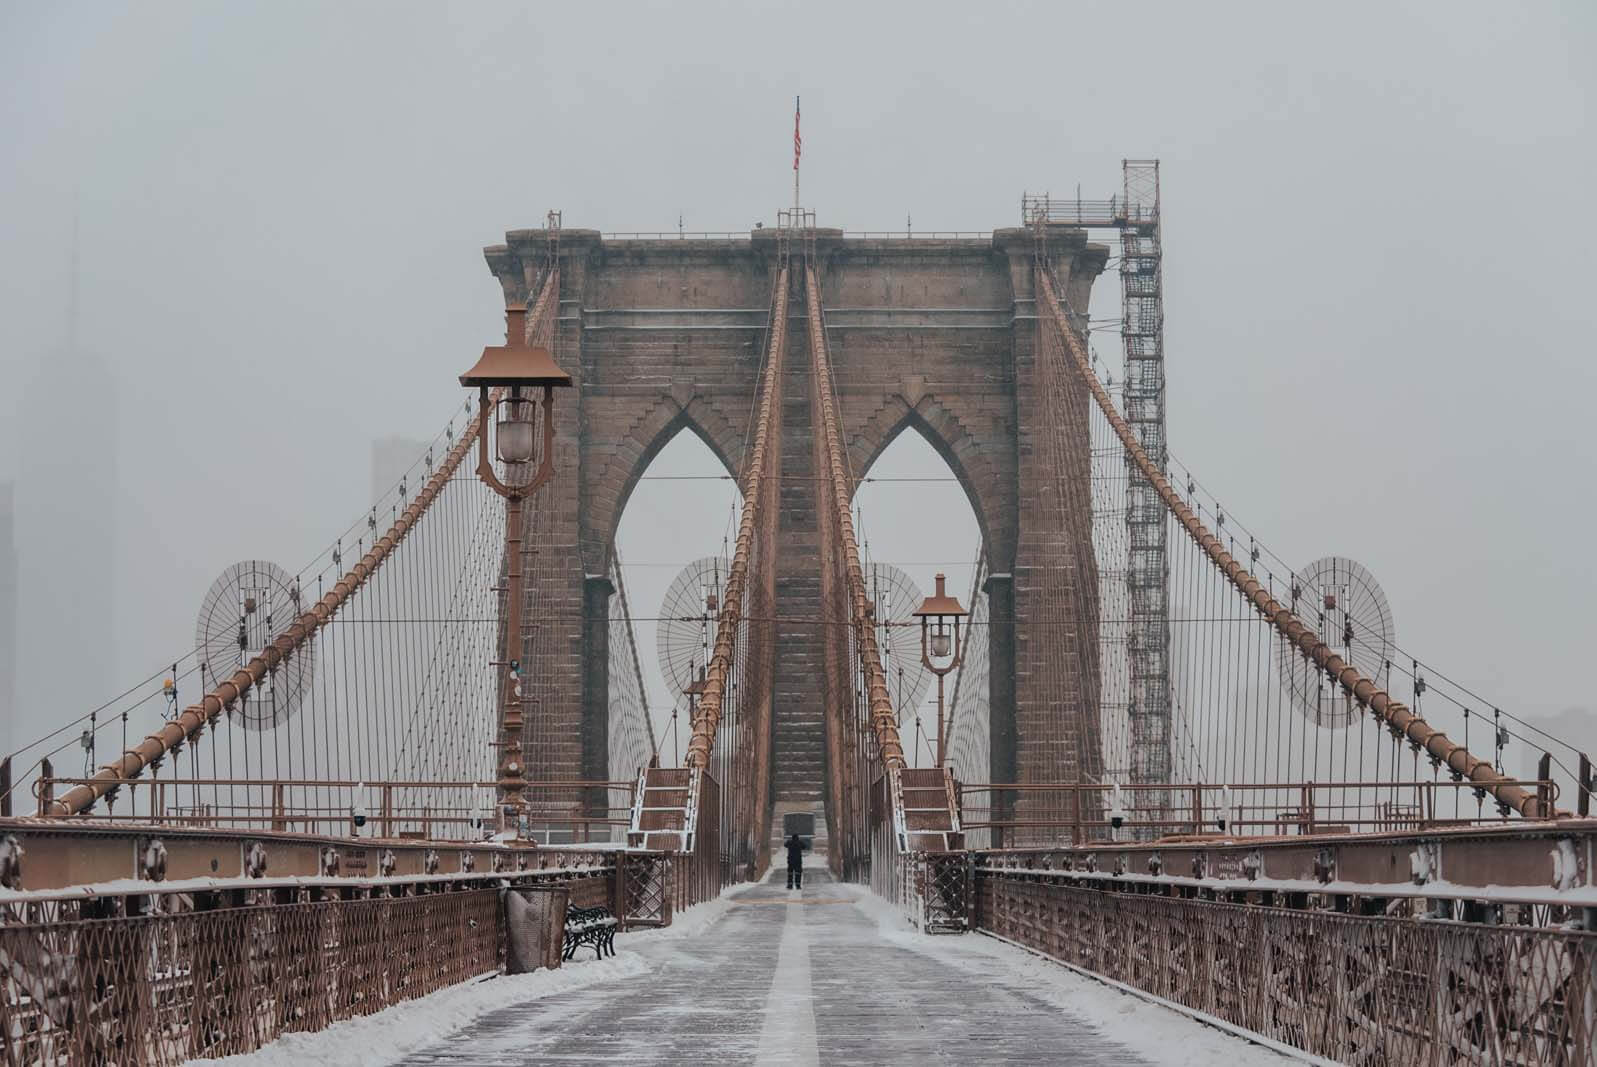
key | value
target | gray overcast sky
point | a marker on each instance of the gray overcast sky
(1377, 249)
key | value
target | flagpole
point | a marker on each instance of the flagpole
(796, 154)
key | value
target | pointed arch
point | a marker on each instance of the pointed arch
(981, 479)
(613, 480)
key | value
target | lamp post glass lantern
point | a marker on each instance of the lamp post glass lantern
(515, 371)
(515, 430)
(941, 646)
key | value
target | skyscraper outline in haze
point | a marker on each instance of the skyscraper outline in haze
(8, 620)
(64, 527)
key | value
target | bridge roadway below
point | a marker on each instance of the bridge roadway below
(828, 975)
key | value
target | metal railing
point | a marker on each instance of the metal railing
(919, 235)
(678, 235)
(440, 811)
(1354, 989)
(1016, 812)
(931, 889)
(698, 875)
(1112, 212)
(159, 975)
(165, 988)
(746, 235)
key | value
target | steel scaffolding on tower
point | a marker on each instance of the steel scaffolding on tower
(1147, 574)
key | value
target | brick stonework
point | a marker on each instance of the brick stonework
(933, 336)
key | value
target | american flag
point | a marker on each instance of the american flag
(798, 142)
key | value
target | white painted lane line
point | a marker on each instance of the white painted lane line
(788, 1034)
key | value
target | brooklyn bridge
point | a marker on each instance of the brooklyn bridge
(1174, 770)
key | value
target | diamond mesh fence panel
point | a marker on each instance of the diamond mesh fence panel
(163, 989)
(1351, 988)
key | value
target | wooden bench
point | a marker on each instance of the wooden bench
(590, 926)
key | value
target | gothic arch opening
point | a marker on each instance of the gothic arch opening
(916, 520)
(942, 435)
(680, 508)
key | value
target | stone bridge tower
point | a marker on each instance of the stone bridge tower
(934, 336)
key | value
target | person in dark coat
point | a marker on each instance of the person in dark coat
(795, 862)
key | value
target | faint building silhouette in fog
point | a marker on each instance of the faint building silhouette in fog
(8, 621)
(66, 533)
(392, 457)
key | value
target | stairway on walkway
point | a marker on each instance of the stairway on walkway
(929, 809)
(660, 811)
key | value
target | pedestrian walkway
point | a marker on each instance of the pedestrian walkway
(812, 977)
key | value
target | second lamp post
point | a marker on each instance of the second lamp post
(940, 643)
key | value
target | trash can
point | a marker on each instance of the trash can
(535, 927)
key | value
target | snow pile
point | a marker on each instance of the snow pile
(891, 922)
(394, 1032)
(689, 922)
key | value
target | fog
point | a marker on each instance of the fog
(1378, 268)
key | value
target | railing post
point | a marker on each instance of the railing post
(618, 889)
(1583, 800)
(1544, 784)
(278, 820)
(46, 786)
(388, 810)
(1197, 808)
(995, 814)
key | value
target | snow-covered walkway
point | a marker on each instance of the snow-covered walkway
(829, 976)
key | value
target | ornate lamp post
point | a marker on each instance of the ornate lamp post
(515, 369)
(940, 642)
